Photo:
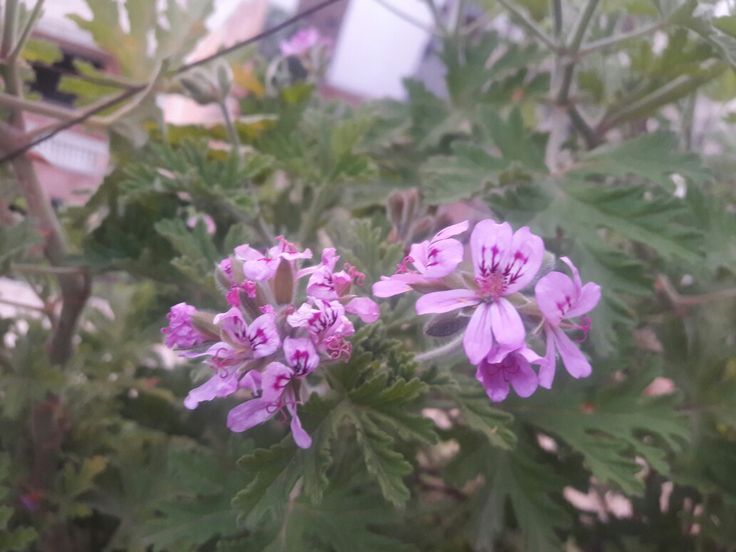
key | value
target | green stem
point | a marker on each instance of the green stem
(32, 18)
(9, 27)
(441, 351)
(557, 18)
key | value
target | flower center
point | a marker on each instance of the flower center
(492, 285)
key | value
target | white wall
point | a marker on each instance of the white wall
(376, 49)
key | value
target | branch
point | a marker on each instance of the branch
(619, 40)
(268, 32)
(408, 18)
(35, 14)
(673, 90)
(577, 38)
(530, 25)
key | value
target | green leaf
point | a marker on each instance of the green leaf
(16, 539)
(613, 427)
(514, 141)
(653, 157)
(477, 412)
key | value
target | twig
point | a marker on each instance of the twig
(557, 18)
(619, 40)
(573, 47)
(663, 284)
(586, 131)
(530, 25)
(81, 118)
(268, 32)
(19, 305)
(441, 351)
(35, 13)
(41, 269)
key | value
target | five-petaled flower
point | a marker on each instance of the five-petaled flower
(504, 262)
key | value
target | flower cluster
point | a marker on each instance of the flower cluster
(504, 264)
(268, 342)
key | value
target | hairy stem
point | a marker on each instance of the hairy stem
(441, 351)
(530, 25)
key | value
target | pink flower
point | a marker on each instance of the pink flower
(327, 325)
(366, 309)
(431, 260)
(222, 384)
(561, 298)
(259, 266)
(180, 333)
(325, 283)
(301, 42)
(273, 390)
(502, 369)
(301, 355)
(504, 262)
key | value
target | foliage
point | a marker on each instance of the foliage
(408, 453)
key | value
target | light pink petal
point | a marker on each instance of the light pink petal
(498, 352)
(496, 386)
(444, 258)
(478, 338)
(450, 231)
(575, 273)
(264, 336)
(366, 309)
(219, 385)
(301, 355)
(529, 355)
(524, 259)
(321, 284)
(301, 437)
(548, 364)
(572, 357)
(306, 254)
(249, 414)
(302, 316)
(524, 381)
(446, 301)
(555, 292)
(233, 324)
(489, 245)
(274, 379)
(251, 381)
(261, 269)
(247, 253)
(589, 297)
(508, 329)
(388, 287)
(419, 252)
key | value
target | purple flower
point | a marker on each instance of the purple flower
(259, 266)
(502, 369)
(301, 355)
(431, 260)
(504, 262)
(273, 390)
(180, 333)
(327, 325)
(561, 298)
(301, 42)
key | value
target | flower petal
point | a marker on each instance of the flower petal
(496, 386)
(590, 295)
(446, 301)
(508, 329)
(524, 259)
(366, 309)
(489, 245)
(264, 336)
(575, 362)
(275, 377)
(450, 231)
(249, 414)
(478, 338)
(440, 258)
(548, 364)
(301, 437)
(301, 355)
(524, 381)
(575, 273)
(219, 385)
(555, 293)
